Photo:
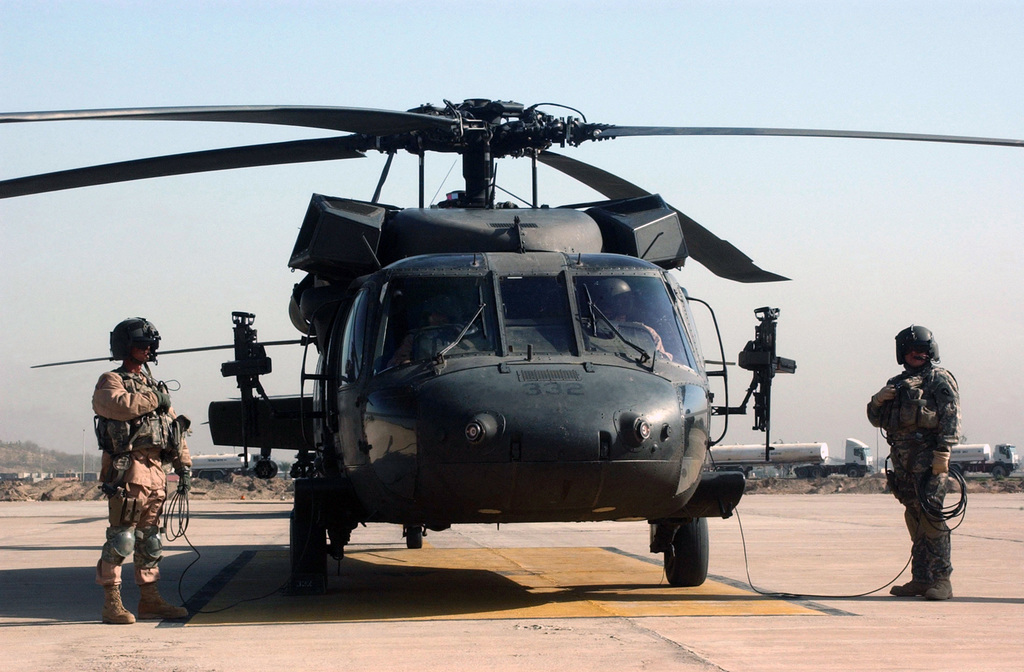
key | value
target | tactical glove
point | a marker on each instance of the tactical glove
(184, 481)
(940, 463)
(883, 395)
(163, 401)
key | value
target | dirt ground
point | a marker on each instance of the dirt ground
(235, 488)
(249, 488)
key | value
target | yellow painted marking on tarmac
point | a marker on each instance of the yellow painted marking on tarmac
(398, 584)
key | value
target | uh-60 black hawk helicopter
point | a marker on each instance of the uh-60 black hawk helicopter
(481, 362)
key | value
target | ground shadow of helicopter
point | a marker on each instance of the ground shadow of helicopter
(480, 361)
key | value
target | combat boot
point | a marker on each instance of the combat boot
(152, 606)
(940, 590)
(912, 589)
(113, 611)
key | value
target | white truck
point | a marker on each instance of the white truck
(805, 460)
(982, 458)
(217, 467)
(857, 462)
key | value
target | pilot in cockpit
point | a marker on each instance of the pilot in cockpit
(622, 306)
(438, 311)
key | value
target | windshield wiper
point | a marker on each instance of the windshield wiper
(595, 310)
(439, 358)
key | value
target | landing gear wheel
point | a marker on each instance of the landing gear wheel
(413, 536)
(686, 561)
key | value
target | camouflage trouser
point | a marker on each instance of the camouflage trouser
(139, 537)
(930, 553)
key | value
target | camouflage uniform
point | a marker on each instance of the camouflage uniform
(141, 441)
(922, 420)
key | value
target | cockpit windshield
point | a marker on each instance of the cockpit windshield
(431, 318)
(536, 314)
(629, 315)
(423, 316)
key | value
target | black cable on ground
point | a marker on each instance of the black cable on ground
(932, 511)
(176, 519)
(790, 596)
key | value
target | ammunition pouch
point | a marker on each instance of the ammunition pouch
(123, 511)
(118, 437)
(112, 436)
(908, 411)
(914, 411)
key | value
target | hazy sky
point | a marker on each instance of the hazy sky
(875, 235)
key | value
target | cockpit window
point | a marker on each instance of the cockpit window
(423, 316)
(353, 339)
(536, 314)
(628, 315)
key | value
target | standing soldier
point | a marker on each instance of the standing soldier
(139, 434)
(919, 411)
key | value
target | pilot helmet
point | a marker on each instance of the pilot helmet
(137, 332)
(919, 338)
(610, 290)
(442, 305)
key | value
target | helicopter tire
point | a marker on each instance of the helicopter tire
(413, 536)
(686, 561)
(307, 539)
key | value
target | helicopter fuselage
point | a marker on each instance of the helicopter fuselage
(516, 387)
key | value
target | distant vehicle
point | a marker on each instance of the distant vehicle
(217, 467)
(982, 458)
(857, 462)
(745, 457)
(806, 460)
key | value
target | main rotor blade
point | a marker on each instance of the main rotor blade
(205, 348)
(601, 181)
(719, 256)
(348, 119)
(635, 131)
(297, 151)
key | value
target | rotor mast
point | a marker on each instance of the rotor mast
(478, 169)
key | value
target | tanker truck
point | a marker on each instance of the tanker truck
(217, 467)
(982, 458)
(857, 462)
(805, 460)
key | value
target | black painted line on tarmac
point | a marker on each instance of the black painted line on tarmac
(205, 595)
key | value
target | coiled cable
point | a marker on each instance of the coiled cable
(937, 512)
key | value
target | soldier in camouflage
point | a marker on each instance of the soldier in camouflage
(140, 435)
(919, 412)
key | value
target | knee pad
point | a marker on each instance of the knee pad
(120, 544)
(148, 546)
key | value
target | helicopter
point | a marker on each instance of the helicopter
(480, 361)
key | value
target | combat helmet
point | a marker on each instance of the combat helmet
(610, 291)
(916, 336)
(135, 331)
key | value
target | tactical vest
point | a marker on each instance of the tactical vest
(910, 411)
(153, 429)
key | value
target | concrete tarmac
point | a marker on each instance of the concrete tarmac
(524, 597)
